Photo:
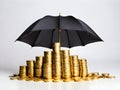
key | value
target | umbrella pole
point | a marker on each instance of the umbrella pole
(59, 35)
(59, 30)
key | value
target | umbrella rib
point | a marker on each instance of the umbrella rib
(36, 38)
(80, 38)
(68, 38)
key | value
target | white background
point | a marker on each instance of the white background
(103, 16)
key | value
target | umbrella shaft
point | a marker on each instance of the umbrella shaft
(59, 35)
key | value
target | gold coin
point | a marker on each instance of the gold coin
(76, 78)
(29, 79)
(14, 77)
(56, 80)
(67, 80)
(15, 74)
(21, 78)
(111, 77)
(88, 78)
(47, 80)
(37, 79)
(105, 74)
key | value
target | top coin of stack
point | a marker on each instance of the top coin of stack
(39, 61)
(56, 47)
(30, 63)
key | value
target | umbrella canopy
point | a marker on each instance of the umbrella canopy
(67, 30)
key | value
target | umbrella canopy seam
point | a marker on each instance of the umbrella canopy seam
(36, 38)
(68, 38)
(80, 38)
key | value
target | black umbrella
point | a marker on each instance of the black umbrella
(67, 30)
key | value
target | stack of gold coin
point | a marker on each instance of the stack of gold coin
(30, 68)
(22, 72)
(75, 66)
(56, 61)
(61, 55)
(47, 65)
(38, 66)
(71, 66)
(83, 68)
(65, 57)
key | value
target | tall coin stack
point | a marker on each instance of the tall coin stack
(56, 62)
(83, 68)
(30, 69)
(75, 66)
(38, 66)
(71, 66)
(22, 72)
(66, 72)
(47, 65)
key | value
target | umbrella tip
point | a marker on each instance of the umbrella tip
(59, 14)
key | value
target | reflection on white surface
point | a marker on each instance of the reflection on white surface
(104, 84)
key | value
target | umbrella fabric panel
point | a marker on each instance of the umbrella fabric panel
(86, 28)
(44, 39)
(72, 38)
(47, 23)
(87, 37)
(28, 38)
(30, 28)
(70, 23)
(55, 22)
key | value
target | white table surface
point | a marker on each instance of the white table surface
(103, 84)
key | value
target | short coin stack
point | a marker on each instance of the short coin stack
(38, 66)
(83, 68)
(66, 71)
(30, 68)
(75, 67)
(22, 72)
